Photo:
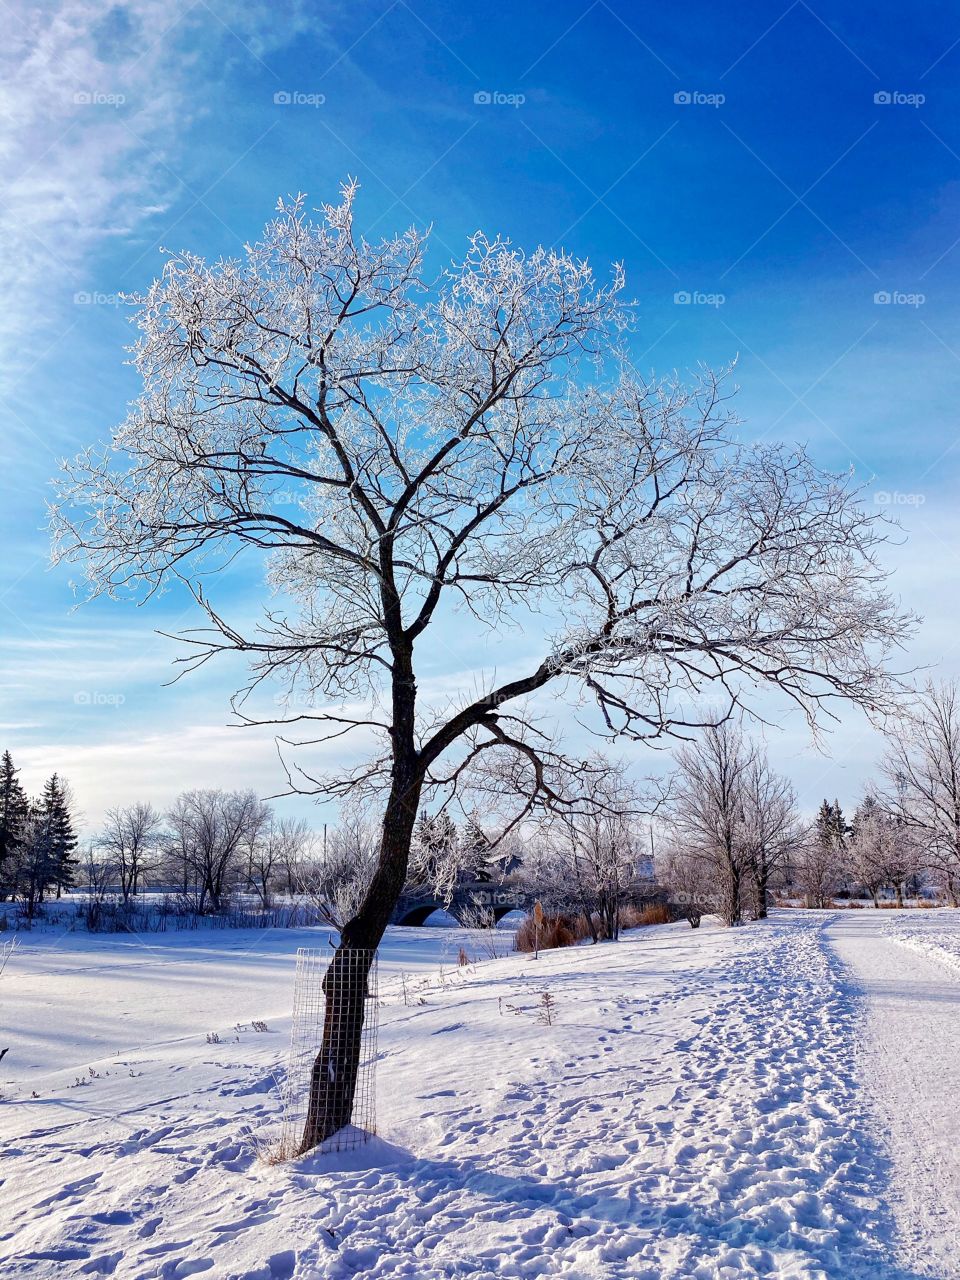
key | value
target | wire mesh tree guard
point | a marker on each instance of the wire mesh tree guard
(330, 1094)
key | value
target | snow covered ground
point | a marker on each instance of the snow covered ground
(910, 1061)
(706, 1104)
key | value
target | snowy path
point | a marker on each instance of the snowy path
(695, 1112)
(911, 1067)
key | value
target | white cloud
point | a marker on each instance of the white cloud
(93, 104)
(156, 766)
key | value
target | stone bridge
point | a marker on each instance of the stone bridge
(413, 908)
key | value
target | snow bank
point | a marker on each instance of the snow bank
(934, 933)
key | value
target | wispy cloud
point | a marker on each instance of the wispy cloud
(94, 103)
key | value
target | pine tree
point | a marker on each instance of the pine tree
(13, 816)
(35, 858)
(434, 853)
(822, 866)
(63, 838)
(840, 828)
(475, 848)
(826, 825)
(868, 810)
(424, 834)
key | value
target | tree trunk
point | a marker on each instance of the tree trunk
(761, 877)
(333, 1080)
(730, 894)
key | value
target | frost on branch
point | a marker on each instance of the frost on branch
(404, 450)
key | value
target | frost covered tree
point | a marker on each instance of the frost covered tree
(922, 773)
(475, 849)
(207, 833)
(131, 842)
(592, 847)
(272, 849)
(337, 880)
(864, 861)
(882, 850)
(400, 447)
(435, 855)
(708, 811)
(773, 830)
(822, 861)
(688, 880)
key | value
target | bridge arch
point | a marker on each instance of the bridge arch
(499, 900)
(419, 914)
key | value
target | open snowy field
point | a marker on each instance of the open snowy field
(770, 1101)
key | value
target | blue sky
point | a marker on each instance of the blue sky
(768, 174)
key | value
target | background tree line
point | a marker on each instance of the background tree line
(38, 841)
(733, 834)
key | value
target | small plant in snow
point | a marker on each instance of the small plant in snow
(547, 1012)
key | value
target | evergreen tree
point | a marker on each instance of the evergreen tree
(475, 849)
(867, 811)
(840, 828)
(825, 824)
(418, 872)
(63, 839)
(822, 869)
(434, 853)
(35, 858)
(13, 816)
